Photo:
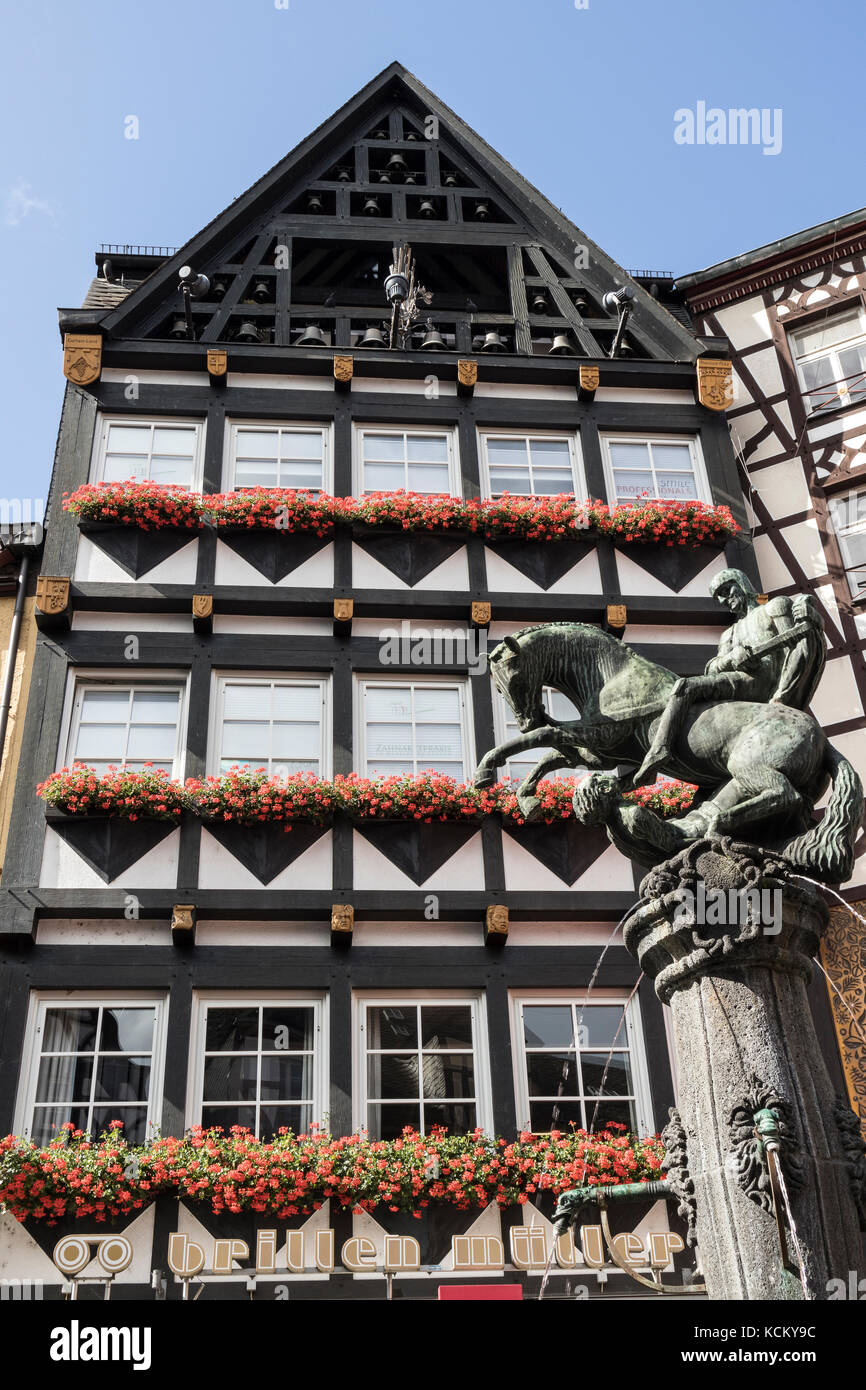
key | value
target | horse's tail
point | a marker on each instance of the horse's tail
(827, 849)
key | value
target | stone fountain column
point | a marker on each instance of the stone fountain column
(745, 1041)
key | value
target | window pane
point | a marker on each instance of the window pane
(448, 1074)
(436, 705)
(246, 742)
(224, 1116)
(301, 444)
(446, 1025)
(385, 705)
(548, 1025)
(552, 1073)
(119, 467)
(510, 480)
(105, 706)
(427, 477)
(393, 741)
(438, 741)
(545, 1115)
(303, 702)
(230, 1078)
(629, 455)
(257, 444)
(155, 742)
(631, 485)
(286, 1078)
(384, 447)
(128, 439)
(273, 1118)
(506, 451)
(394, 1026)
(288, 1029)
(676, 485)
(615, 1069)
(134, 1121)
(818, 373)
(301, 475)
(379, 477)
(155, 706)
(389, 1121)
(550, 451)
(105, 742)
(247, 701)
(64, 1078)
(232, 1030)
(123, 1078)
(173, 440)
(673, 457)
(457, 1119)
(551, 482)
(599, 1026)
(388, 767)
(430, 448)
(48, 1123)
(248, 474)
(171, 470)
(620, 1111)
(390, 1077)
(295, 742)
(836, 329)
(127, 1030)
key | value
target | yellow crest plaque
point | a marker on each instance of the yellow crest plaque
(52, 594)
(217, 362)
(82, 357)
(589, 379)
(467, 372)
(343, 368)
(715, 383)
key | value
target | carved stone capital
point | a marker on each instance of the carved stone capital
(676, 939)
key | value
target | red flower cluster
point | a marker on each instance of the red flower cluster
(150, 506)
(102, 1178)
(289, 510)
(284, 509)
(665, 798)
(248, 796)
(130, 795)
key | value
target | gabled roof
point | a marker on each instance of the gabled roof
(556, 256)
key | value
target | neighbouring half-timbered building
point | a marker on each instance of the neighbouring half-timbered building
(360, 971)
(794, 314)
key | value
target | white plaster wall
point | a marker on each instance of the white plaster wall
(92, 566)
(367, 573)
(63, 868)
(315, 573)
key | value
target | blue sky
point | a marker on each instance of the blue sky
(581, 101)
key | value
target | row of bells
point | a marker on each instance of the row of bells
(396, 174)
(375, 338)
(262, 290)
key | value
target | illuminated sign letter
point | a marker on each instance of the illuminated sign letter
(266, 1252)
(528, 1247)
(662, 1245)
(477, 1252)
(225, 1251)
(401, 1253)
(185, 1258)
(592, 1245)
(359, 1254)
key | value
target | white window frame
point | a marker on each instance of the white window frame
(325, 429)
(104, 423)
(241, 998)
(560, 436)
(41, 1000)
(843, 396)
(854, 499)
(284, 678)
(448, 431)
(460, 683)
(80, 680)
(364, 999)
(635, 1042)
(702, 485)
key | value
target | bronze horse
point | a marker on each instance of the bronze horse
(754, 764)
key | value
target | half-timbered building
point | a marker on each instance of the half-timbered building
(794, 314)
(417, 973)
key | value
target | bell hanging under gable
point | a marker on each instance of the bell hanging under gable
(562, 346)
(312, 337)
(371, 207)
(493, 343)
(247, 333)
(373, 338)
(433, 342)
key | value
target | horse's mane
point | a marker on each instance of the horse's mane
(562, 622)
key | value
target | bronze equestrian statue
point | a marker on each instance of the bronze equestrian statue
(738, 732)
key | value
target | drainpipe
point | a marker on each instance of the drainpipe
(12, 652)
